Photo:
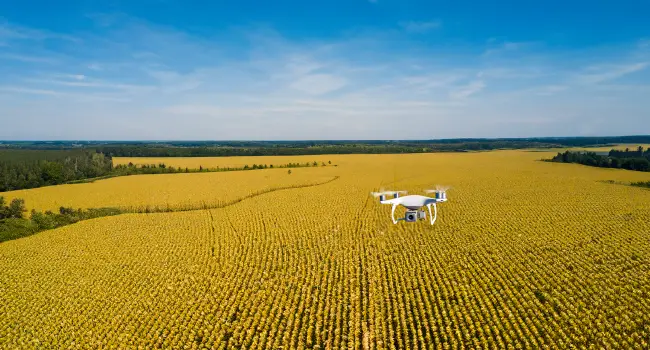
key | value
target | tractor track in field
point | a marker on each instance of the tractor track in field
(204, 206)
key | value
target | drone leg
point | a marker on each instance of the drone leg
(435, 210)
(392, 214)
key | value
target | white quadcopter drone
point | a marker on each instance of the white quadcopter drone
(413, 203)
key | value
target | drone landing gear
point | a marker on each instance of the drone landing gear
(392, 214)
(435, 211)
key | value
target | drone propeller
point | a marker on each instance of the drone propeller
(438, 188)
(379, 193)
(383, 192)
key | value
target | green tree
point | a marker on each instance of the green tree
(52, 173)
(16, 208)
(44, 222)
(66, 211)
(4, 211)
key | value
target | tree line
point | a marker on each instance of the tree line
(462, 143)
(638, 159)
(639, 152)
(15, 224)
(162, 168)
(311, 149)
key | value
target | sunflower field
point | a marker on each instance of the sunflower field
(525, 254)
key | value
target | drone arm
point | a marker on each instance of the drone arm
(392, 213)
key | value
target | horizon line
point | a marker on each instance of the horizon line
(328, 140)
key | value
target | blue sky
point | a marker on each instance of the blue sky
(384, 69)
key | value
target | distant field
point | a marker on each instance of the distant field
(213, 162)
(174, 190)
(593, 149)
(609, 148)
(525, 254)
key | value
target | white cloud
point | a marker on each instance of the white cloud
(602, 73)
(644, 43)
(318, 84)
(145, 55)
(174, 82)
(507, 47)
(73, 77)
(127, 88)
(467, 90)
(22, 90)
(549, 90)
(26, 58)
(11, 32)
(430, 83)
(419, 27)
(302, 65)
(512, 73)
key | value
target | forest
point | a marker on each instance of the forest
(21, 169)
(638, 159)
(289, 148)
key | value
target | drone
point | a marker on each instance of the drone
(413, 203)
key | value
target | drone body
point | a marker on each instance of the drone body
(413, 204)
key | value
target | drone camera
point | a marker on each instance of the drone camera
(411, 216)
